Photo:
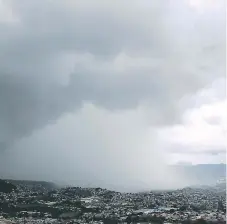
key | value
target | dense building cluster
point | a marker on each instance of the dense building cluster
(42, 203)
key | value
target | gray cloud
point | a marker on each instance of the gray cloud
(159, 66)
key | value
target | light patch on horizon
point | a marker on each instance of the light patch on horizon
(194, 159)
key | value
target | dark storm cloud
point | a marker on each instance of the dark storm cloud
(25, 105)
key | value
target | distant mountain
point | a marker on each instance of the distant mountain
(203, 174)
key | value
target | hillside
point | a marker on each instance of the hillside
(31, 183)
(6, 187)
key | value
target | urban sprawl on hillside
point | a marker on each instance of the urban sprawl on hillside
(40, 202)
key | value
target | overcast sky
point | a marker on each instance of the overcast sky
(110, 92)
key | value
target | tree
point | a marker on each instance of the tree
(183, 208)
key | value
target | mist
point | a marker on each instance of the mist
(84, 87)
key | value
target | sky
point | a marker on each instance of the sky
(111, 93)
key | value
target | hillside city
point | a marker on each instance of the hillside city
(41, 202)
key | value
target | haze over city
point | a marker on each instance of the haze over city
(110, 93)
